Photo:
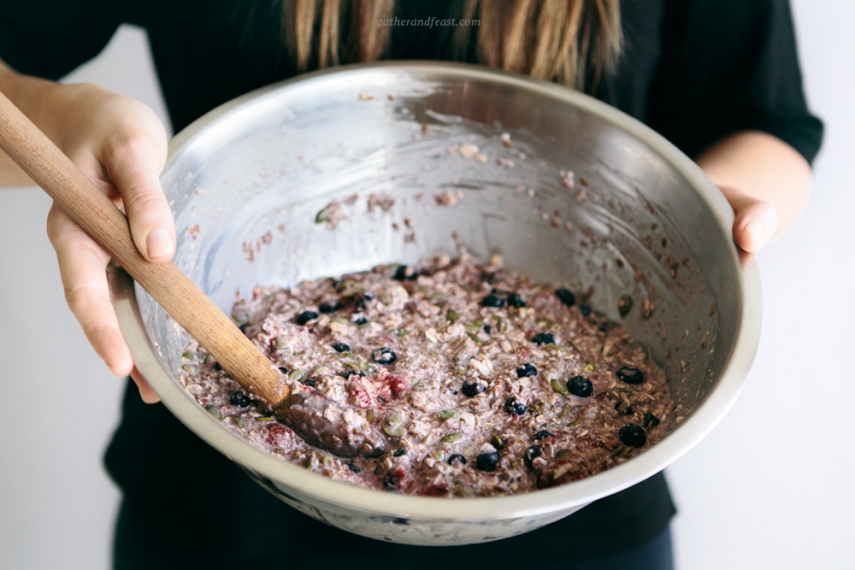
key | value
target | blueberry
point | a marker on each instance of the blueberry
(310, 382)
(284, 370)
(543, 338)
(399, 452)
(353, 467)
(633, 435)
(402, 275)
(360, 321)
(340, 347)
(306, 316)
(531, 453)
(515, 301)
(650, 420)
(240, 399)
(543, 433)
(488, 329)
(493, 301)
(488, 461)
(630, 375)
(457, 458)
(472, 389)
(217, 366)
(526, 370)
(585, 310)
(580, 386)
(390, 481)
(384, 355)
(348, 373)
(327, 308)
(513, 407)
(243, 327)
(566, 297)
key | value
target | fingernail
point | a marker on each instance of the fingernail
(756, 231)
(159, 243)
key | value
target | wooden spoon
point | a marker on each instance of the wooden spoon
(315, 418)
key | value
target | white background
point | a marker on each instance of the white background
(771, 487)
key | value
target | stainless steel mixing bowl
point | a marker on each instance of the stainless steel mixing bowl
(640, 219)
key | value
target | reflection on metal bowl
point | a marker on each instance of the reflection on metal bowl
(635, 217)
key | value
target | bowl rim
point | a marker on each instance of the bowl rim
(575, 494)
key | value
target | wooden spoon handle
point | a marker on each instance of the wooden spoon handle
(108, 226)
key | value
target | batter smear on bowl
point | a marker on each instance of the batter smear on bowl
(483, 382)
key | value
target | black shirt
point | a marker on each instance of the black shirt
(694, 70)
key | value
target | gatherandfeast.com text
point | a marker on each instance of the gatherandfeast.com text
(431, 22)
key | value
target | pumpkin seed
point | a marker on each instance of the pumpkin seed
(562, 453)
(214, 411)
(447, 414)
(189, 356)
(453, 436)
(296, 375)
(452, 315)
(323, 214)
(239, 422)
(474, 337)
(401, 332)
(190, 369)
(559, 386)
(418, 387)
(266, 419)
(370, 415)
(352, 291)
(397, 430)
(394, 417)
(385, 298)
(588, 367)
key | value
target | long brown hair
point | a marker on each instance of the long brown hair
(556, 40)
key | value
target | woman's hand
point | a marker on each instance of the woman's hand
(120, 145)
(766, 181)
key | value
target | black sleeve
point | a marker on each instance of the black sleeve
(729, 66)
(50, 38)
